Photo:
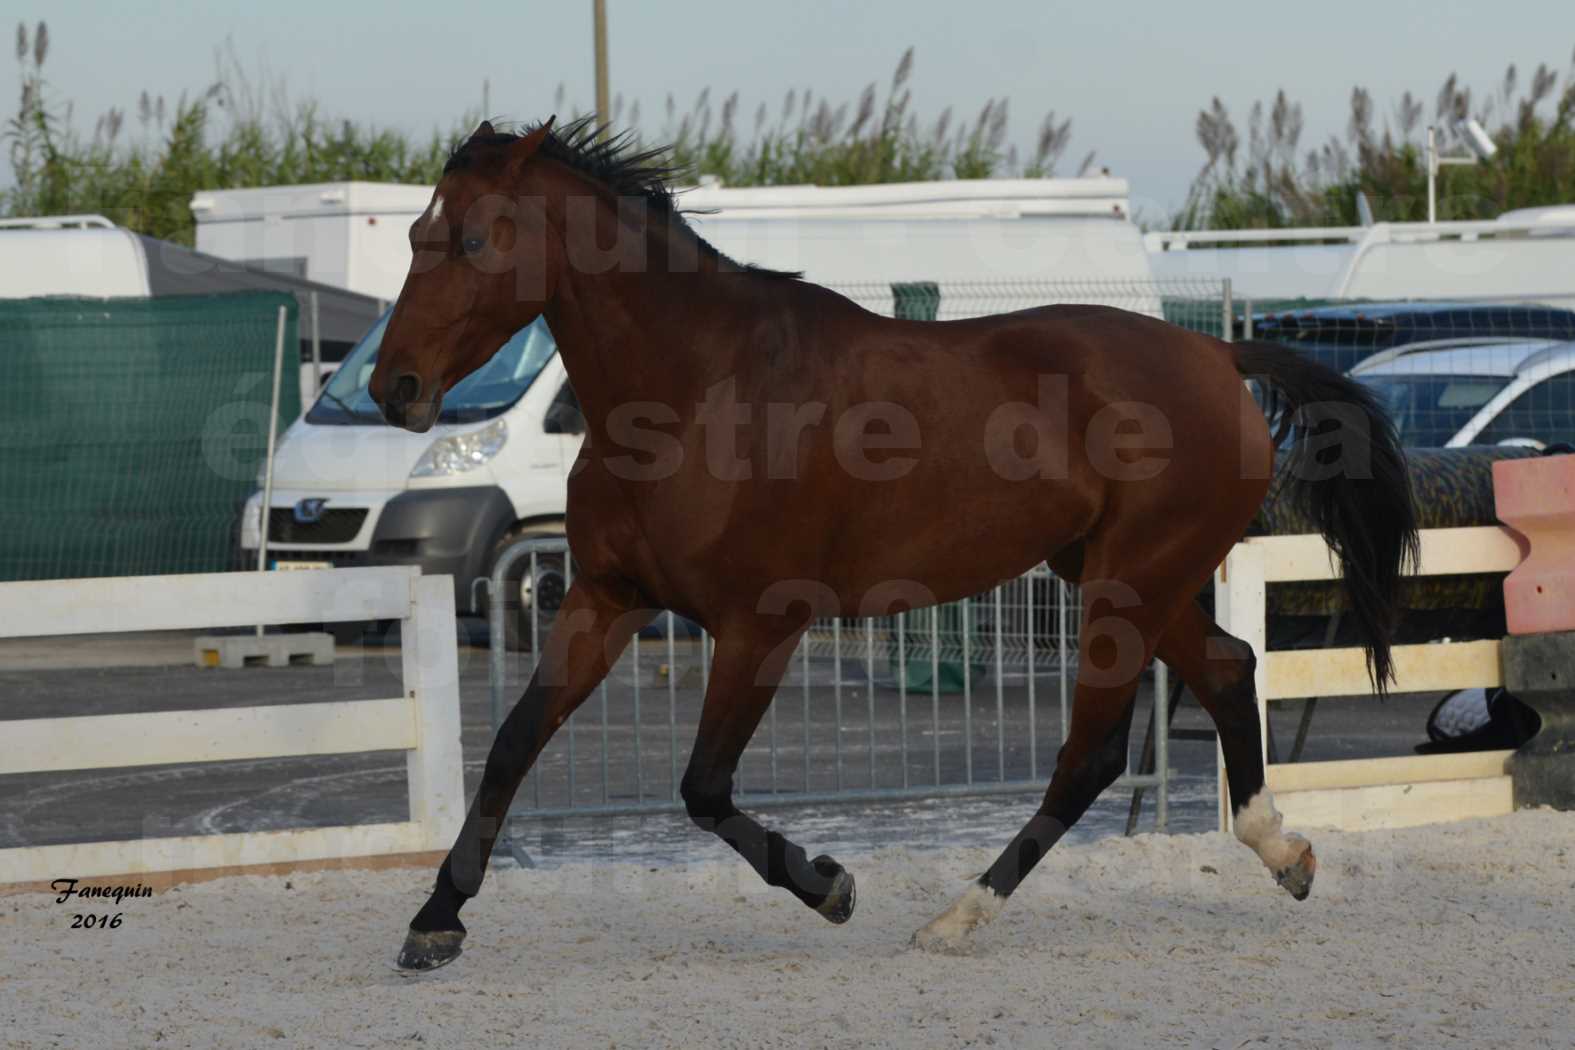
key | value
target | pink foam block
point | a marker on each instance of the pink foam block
(1536, 498)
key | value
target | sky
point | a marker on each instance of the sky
(1131, 76)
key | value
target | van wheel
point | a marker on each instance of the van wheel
(531, 598)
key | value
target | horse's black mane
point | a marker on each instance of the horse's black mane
(611, 160)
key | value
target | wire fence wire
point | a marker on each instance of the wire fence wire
(1195, 304)
(1448, 373)
(972, 697)
(134, 430)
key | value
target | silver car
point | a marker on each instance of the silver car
(1477, 392)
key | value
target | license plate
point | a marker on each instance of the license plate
(284, 566)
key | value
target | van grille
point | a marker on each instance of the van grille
(337, 525)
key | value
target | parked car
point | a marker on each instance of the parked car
(1344, 336)
(1509, 393)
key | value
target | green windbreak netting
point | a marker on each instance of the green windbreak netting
(132, 430)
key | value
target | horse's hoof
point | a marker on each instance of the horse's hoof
(428, 951)
(838, 905)
(1298, 877)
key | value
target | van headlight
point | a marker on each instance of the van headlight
(459, 453)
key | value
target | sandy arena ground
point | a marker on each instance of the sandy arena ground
(1457, 935)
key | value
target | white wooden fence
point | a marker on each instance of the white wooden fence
(1371, 792)
(424, 721)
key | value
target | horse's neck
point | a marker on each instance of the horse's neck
(644, 331)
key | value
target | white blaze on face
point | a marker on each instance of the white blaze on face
(434, 216)
(1258, 825)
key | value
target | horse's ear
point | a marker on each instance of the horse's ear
(528, 144)
(484, 128)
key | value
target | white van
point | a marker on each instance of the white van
(348, 489)
(351, 490)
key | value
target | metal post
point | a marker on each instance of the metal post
(803, 651)
(836, 692)
(273, 438)
(902, 689)
(317, 350)
(967, 675)
(1161, 744)
(639, 763)
(869, 687)
(1246, 323)
(672, 710)
(1033, 672)
(1227, 311)
(603, 114)
(935, 692)
(1000, 686)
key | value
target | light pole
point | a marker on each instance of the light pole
(602, 107)
(1482, 148)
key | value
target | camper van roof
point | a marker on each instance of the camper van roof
(70, 257)
(308, 199)
(1100, 196)
(1560, 214)
(955, 198)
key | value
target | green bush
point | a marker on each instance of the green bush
(1267, 183)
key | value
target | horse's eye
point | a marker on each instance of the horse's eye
(472, 245)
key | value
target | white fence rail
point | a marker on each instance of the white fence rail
(424, 721)
(1375, 792)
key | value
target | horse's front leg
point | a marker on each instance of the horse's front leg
(744, 676)
(592, 627)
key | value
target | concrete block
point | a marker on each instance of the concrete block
(1536, 498)
(1539, 670)
(270, 650)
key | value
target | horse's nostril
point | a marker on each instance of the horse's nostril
(407, 388)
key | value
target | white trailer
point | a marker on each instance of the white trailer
(353, 234)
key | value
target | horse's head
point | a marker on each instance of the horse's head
(480, 271)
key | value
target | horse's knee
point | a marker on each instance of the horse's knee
(706, 800)
(1230, 663)
(1090, 774)
(1229, 676)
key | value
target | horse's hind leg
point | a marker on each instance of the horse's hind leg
(1113, 650)
(1218, 668)
(595, 622)
(744, 676)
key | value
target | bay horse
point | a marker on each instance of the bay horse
(761, 451)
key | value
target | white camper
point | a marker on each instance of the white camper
(353, 234)
(1522, 255)
(88, 256)
(350, 234)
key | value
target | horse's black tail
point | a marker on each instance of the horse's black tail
(1347, 471)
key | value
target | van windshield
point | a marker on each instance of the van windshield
(489, 391)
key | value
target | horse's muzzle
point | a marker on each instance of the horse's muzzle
(403, 407)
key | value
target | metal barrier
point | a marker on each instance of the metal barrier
(844, 721)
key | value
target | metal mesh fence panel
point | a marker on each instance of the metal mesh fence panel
(1195, 304)
(1449, 373)
(134, 430)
